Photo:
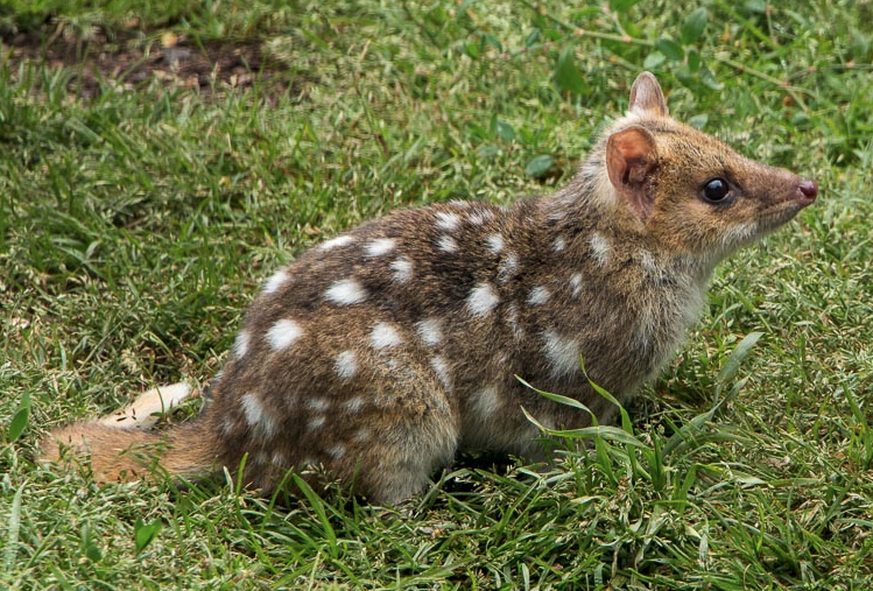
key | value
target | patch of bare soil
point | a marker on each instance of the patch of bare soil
(127, 62)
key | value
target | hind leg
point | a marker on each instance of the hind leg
(385, 432)
(404, 446)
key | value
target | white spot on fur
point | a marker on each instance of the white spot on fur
(482, 300)
(283, 334)
(346, 292)
(601, 249)
(560, 244)
(429, 331)
(337, 451)
(512, 321)
(346, 365)
(402, 269)
(228, 425)
(318, 404)
(362, 434)
(447, 221)
(447, 244)
(495, 243)
(459, 203)
(256, 415)
(441, 368)
(508, 268)
(334, 242)
(316, 422)
(384, 336)
(280, 460)
(539, 295)
(380, 246)
(275, 283)
(576, 284)
(480, 217)
(354, 405)
(486, 402)
(562, 353)
(241, 344)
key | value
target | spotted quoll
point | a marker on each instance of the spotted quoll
(382, 352)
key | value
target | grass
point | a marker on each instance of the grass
(136, 224)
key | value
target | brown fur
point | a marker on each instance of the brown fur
(378, 356)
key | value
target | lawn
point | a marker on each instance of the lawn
(160, 159)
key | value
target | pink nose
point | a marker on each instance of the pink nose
(808, 188)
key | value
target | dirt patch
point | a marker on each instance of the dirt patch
(128, 62)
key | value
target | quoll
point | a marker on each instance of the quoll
(382, 352)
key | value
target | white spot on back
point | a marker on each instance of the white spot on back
(317, 404)
(447, 244)
(334, 242)
(562, 353)
(576, 284)
(512, 321)
(354, 405)
(256, 416)
(384, 336)
(482, 300)
(336, 451)
(241, 343)
(380, 246)
(559, 244)
(402, 270)
(480, 217)
(362, 434)
(507, 268)
(316, 422)
(346, 365)
(495, 243)
(441, 368)
(447, 221)
(486, 401)
(346, 292)
(538, 296)
(275, 283)
(429, 331)
(601, 249)
(283, 334)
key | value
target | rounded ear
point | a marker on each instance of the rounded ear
(647, 98)
(631, 155)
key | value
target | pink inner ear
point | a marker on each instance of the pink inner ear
(631, 145)
(630, 155)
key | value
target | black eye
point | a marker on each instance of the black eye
(716, 190)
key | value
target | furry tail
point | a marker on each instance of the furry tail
(121, 448)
